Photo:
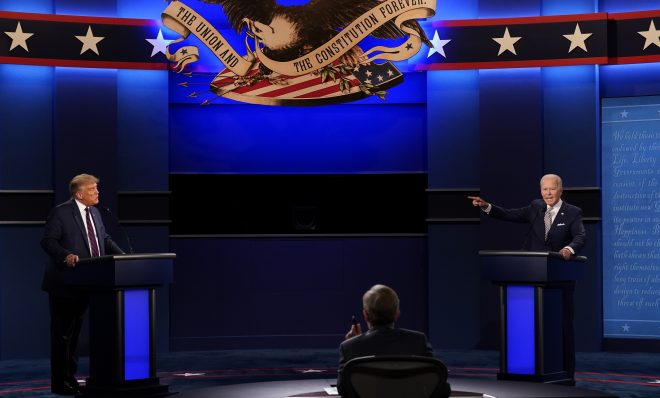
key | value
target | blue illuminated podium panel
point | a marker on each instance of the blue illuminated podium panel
(121, 290)
(536, 313)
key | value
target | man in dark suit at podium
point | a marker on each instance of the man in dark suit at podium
(554, 224)
(380, 310)
(74, 230)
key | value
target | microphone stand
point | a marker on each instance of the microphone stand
(123, 231)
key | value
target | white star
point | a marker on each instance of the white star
(625, 328)
(89, 41)
(577, 39)
(389, 72)
(438, 45)
(19, 38)
(160, 44)
(380, 78)
(506, 42)
(368, 81)
(652, 36)
(624, 114)
(368, 72)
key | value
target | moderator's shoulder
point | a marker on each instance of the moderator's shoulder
(412, 333)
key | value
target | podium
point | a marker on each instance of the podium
(536, 313)
(122, 330)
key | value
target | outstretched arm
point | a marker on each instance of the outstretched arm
(478, 202)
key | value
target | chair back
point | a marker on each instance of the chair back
(395, 376)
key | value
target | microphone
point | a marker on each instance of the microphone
(123, 231)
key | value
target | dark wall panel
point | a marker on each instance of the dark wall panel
(454, 286)
(570, 124)
(306, 204)
(278, 292)
(23, 305)
(453, 129)
(26, 120)
(142, 131)
(511, 147)
(85, 129)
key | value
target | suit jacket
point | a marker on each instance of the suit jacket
(566, 230)
(64, 234)
(383, 340)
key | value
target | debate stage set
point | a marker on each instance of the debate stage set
(264, 164)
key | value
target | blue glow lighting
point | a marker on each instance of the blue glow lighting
(629, 80)
(145, 9)
(97, 8)
(562, 7)
(626, 6)
(509, 72)
(520, 354)
(292, 2)
(508, 9)
(37, 6)
(136, 335)
(456, 9)
(327, 139)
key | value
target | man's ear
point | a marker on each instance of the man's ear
(398, 314)
(365, 316)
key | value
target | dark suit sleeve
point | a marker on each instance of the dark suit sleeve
(342, 362)
(52, 236)
(520, 215)
(578, 232)
(428, 351)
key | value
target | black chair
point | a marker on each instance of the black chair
(395, 376)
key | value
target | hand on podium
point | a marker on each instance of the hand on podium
(565, 253)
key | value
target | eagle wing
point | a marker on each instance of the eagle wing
(337, 14)
(236, 10)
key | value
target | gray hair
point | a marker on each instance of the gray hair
(382, 305)
(555, 176)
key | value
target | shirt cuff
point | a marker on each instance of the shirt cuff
(487, 209)
(570, 249)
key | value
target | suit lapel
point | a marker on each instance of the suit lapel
(81, 225)
(560, 218)
(96, 216)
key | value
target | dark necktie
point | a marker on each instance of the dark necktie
(547, 220)
(90, 234)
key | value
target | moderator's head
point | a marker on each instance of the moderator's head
(381, 305)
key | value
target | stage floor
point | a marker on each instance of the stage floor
(315, 388)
